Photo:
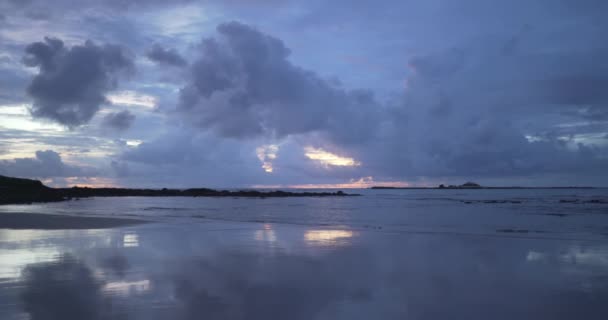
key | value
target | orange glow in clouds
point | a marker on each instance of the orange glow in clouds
(328, 158)
(266, 154)
(90, 182)
(362, 183)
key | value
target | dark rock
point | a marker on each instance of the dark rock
(470, 185)
(569, 201)
(14, 190)
(513, 230)
(597, 201)
(561, 215)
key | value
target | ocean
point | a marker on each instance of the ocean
(387, 254)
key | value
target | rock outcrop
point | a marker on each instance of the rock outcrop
(16, 190)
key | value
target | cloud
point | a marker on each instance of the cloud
(119, 120)
(243, 85)
(72, 82)
(178, 147)
(46, 164)
(466, 111)
(120, 169)
(38, 15)
(12, 83)
(186, 157)
(164, 56)
(521, 96)
(74, 5)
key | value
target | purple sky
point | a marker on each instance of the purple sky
(304, 93)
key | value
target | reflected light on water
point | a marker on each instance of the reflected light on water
(327, 237)
(587, 257)
(581, 257)
(126, 288)
(19, 248)
(267, 234)
(12, 261)
(130, 240)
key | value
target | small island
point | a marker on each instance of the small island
(19, 191)
(473, 185)
(467, 185)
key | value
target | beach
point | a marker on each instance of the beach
(387, 255)
(53, 222)
(303, 160)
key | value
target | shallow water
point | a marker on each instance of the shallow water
(390, 254)
(529, 213)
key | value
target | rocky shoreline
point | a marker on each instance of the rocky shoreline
(23, 191)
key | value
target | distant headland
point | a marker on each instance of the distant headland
(473, 185)
(18, 190)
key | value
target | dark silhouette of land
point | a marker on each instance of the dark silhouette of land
(473, 185)
(17, 190)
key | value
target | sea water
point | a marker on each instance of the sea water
(387, 254)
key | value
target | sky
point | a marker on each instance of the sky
(283, 93)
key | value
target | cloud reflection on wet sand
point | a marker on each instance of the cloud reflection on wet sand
(189, 272)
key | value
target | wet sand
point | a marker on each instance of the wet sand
(218, 270)
(56, 222)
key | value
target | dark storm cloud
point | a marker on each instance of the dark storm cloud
(469, 110)
(243, 85)
(165, 56)
(530, 81)
(489, 88)
(72, 82)
(46, 164)
(119, 120)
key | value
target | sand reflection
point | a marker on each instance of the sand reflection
(267, 234)
(130, 240)
(328, 237)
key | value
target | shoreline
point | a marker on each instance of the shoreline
(27, 191)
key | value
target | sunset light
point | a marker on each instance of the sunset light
(132, 98)
(266, 154)
(328, 158)
(274, 159)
